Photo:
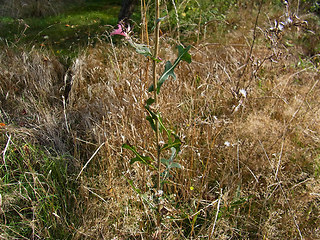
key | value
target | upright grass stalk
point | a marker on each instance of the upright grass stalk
(177, 19)
(204, 174)
(145, 39)
(145, 36)
(156, 52)
(254, 37)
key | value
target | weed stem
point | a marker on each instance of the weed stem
(156, 51)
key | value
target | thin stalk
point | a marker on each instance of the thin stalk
(142, 20)
(216, 217)
(252, 45)
(199, 28)
(145, 39)
(145, 21)
(156, 52)
(177, 19)
(204, 176)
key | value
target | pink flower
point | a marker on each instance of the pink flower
(121, 30)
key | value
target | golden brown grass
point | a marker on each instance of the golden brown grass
(250, 161)
(264, 178)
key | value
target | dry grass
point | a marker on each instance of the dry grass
(35, 186)
(265, 177)
(250, 161)
(31, 89)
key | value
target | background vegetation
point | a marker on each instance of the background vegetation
(246, 108)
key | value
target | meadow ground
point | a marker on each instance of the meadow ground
(246, 110)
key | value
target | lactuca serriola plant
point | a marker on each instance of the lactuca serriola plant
(173, 142)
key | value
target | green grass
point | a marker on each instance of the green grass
(36, 192)
(78, 26)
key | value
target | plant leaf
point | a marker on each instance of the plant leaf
(161, 19)
(137, 190)
(169, 67)
(173, 154)
(161, 125)
(183, 52)
(151, 118)
(139, 158)
(150, 101)
(152, 123)
(168, 71)
(169, 163)
(166, 162)
(175, 165)
(176, 143)
(141, 48)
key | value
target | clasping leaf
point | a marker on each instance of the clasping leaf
(139, 158)
(169, 67)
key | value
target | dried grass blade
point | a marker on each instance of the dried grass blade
(5, 151)
(95, 153)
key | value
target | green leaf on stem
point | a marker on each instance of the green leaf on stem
(175, 165)
(169, 67)
(151, 118)
(139, 158)
(141, 48)
(137, 190)
(176, 143)
(161, 125)
(150, 101)
(152, 123)
(169, 163)
(183, 52)
(161, 19)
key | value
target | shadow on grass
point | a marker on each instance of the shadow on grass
(77, 27)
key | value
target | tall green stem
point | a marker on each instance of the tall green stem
(156, 51)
